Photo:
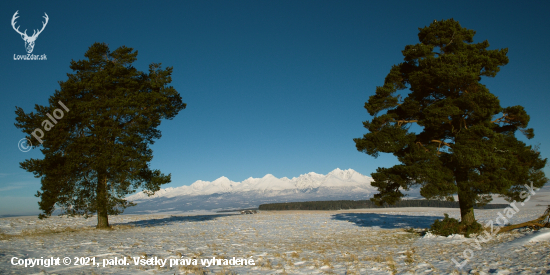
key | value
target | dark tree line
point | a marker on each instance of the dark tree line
(340, 205)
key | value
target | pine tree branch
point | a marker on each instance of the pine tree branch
(540, 222)
(401, 121)
(504, 118)
(440, 142)
(420, 143)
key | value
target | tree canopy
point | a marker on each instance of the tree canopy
(464, 142)
(97, 150)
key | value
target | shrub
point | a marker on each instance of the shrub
(449, 226)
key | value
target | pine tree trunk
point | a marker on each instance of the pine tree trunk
(466, 204)
(466, 199)
(102, 218)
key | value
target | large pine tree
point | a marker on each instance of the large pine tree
(464, 142)
(97, 152)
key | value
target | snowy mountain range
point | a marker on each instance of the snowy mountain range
(223, 193)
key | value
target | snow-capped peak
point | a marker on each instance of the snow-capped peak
(269, 183)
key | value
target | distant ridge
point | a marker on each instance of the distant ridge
(309, 181)
(223, 193)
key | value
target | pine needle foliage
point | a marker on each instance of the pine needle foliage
(463, 142)
(99, 151)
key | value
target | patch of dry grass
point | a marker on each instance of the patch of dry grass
(43, 231)
(226, 271)
(264, 263)
(409, 256)
(193, 269)
(35, 232)
(326, 262)
(376, 259)
(123, 226)
(391, 264)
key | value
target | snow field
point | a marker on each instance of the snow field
(296, 242)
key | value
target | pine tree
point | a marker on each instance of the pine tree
(96, 145)
(464, 142)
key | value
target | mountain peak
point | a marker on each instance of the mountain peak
(222, 178)
(337, 178)
(342, 173)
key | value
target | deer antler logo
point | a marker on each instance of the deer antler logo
(29, 40)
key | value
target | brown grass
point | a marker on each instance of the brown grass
(43, 231)
(391, 264)
(409, 256)
(122, 226)
(192, 269)
(35, 232)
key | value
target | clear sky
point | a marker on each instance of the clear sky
(272, 87)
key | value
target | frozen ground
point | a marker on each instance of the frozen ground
(296, 242)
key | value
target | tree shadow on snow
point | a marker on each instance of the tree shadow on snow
(172, 220)
(386, 221)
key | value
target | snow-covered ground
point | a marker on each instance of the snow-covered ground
(369, 241)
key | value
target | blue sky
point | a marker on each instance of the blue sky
(272, 87)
